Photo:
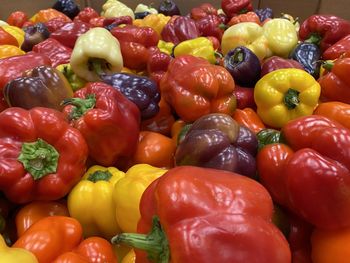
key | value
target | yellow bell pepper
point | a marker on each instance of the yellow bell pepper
(16, 32)
(96, 51)
(155, 21)
(281, 36)
(140, 8)
(91, 201)
(130, 257)
(128, 191)
(285, 94)
(9, 51)
(15, 255)
(295, 21)
(198, 47)
(248, 34)
(166, 47)
(114, 8)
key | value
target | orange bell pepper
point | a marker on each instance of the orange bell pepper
(249, 118)
(46, 15)
(7, 39)
(247, 17)
(335, 110)
(155, 149)
(10, 51)
(37, 210)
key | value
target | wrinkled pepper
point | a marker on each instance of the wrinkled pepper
(186, 213)
(55, 24)
(17, 18)
(203, 10)
(285, 94)
(34, 159)
(108, 121)
(128, 191)
(196, 95)
(12, 255)
(210, 26)
(114, 8)
(235, 7)
(86, 15)
(45, 15)
(335, 110)
(313, 169)
(157, 64)
(155, 21)
(91, 201)
(247, 17)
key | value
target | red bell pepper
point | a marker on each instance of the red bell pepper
(86, 15)
(338, 49)
(13, 67)
(210, 26)
(108, 121)
(314, 169)
(203, 10)
(180, 28)
(157, 63)
(57, 52)
(116, 21)
(17, 18)
(206, 88)
(205, 210)
(37, 163)
(324, 30)
(244, 97)
(236, 7)
(335, 85)
(273, 63)
(55, 24)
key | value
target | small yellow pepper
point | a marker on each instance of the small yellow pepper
(198, 47)
(166, 47)
(130, 257)
(91, 201)
(285, 94)
(10, 51)
(16, 32)
(155, 21)
(128, 191)
(140, 8)
(15, 255)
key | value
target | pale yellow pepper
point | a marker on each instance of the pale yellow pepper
(128, 191)
(114, 8)
(15, 255)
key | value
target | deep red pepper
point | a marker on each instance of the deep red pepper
(86, 14)
(157, 64)
(202, 11)
(116, 21)
(338, 49)
(244, 97)
(235, 7)
(96, 21)
(55, 24)
(17, 18)
(324, 30)
(57, 52)
(210, 26)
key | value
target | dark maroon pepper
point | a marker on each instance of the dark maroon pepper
(275, 62)
(34, 35)
(210, 26)
(168, 8)
(69, 33)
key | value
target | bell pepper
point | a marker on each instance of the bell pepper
(187, 214)
(199, 47)
(247, 17)
(55, 24)
(51, 87)
(235, 7)
(335, 110)
(12, 255)
(202, 11)
(155, 21)
(268, 136)
(10, 51)
(140, 90)
(165, 47)
(324, 30)
(128, 191)
(7, 39)
(244, 97)
(130, 257)
(168, 8)
(114, 8)
(45, 15)
(249, 118)
(67, 7)
(196, 95)
(86, 15)
(15, 32)
(335, 85)
(180, 28)
(140, 8)
(247, 34)
(68, 34)
(264, 14)
(233, 149)
(210, 26)
(273, 63)
(96, 51)
(155, 149)
(35, 160)
(157, 64)
(57, 52)
(338, 49)
(99, 111)
(17, 18)
(312, 170)
(284, 95)
(112, 22)
(13, 67)
(74, 81)
(308, 55)
(34, 35)
(91, 201)
(34, 211)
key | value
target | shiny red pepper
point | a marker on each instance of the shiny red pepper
(17, 18)
(210, 26)
(55, 24)
(86, 14)
(338, 49)
(157, 63)
(235, 7)
(203, 10)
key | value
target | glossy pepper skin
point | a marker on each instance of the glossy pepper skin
(108, 121)
(140, 90)
(155, 21)
(91, 201)
(114, 8)
(249, 118)
(235, 7)
(246, 17)
(198, 47)
(244, 97)
(198, 211)
(338, 49)
(12, 255)
(285, 94)
(17, 18)
(34, 35)
(314, 169)
(7, 39)
(157, 64)
(335, 85)
(220, 143)
(273, 63)
(36, 163)
(335, 110)
(308, 55)
(51, 87)
(45, 15)
(67, 7)
(324, 30)
(190, 102)
(180, 28)
(10, 51)
(203, 10)
(210, 26)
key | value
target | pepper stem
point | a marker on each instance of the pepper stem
(291, 99)
(99, 176)
(328, 65)
(98, 65)
(39, 158)
(81, 106)
(314, 39)
(154, 243)
(238, 56)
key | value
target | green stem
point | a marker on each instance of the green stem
(39, 158)
(238, 56)
(314, 39)
(100, 176)
(98, 65)
(154, 243)
(328, 65)
(291, 99)
(81, 106)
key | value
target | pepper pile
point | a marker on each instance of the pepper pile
(147, 135)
